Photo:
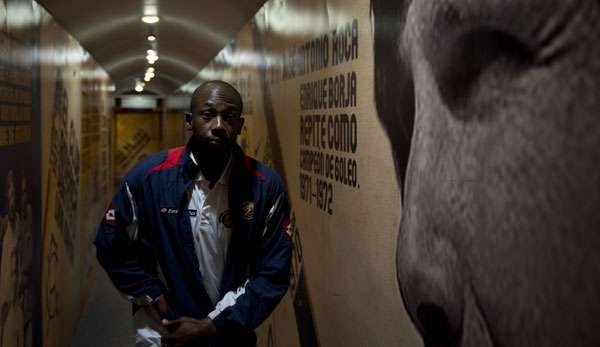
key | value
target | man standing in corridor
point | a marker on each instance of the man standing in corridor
(198, 237)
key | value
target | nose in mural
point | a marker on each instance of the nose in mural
(490, 110)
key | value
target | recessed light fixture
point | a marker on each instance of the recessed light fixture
(139, 86)
(150, 69)
(150, 19)
(151, 56)
(147, 79)
(151, 38)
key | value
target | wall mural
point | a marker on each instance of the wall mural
(64, 181)
(273, 157)
(446, 148)
(16, 314)
(130, 151)
(138, 134)
(470, 127)
(19, 179)
(96, 167)
(52, 295)
(306, 68)
(65, 165)
(76, 156)
(492, 113)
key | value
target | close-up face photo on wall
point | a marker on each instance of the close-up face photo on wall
(491, 110)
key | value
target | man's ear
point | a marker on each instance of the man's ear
(241, 125)
(188, 120)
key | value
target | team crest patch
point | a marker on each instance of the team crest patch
(226, 219)
(110, 217)
(288, 229)
(248, 210)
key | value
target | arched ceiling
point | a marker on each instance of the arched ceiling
(189, 34)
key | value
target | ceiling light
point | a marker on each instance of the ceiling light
(139, 86)
(151, 62)
(151, 38)
(150, 19)
(151, 55)
(150, 69)
(150, 74)
(150, 8)
(147, 79)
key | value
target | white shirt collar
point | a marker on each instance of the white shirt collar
(224, 179)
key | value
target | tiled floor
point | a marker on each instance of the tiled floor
(106, 318)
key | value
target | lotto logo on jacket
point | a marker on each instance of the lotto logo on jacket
(110, 216)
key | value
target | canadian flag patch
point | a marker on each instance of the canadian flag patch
(110, 217)
(288, 228)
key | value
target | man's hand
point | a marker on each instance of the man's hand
(161, 306)
(187, 330)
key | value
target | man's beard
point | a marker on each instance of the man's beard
(204, 145)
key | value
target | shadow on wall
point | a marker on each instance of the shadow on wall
(491, 112)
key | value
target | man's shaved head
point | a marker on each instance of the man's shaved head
(215, 117)
(210, 87)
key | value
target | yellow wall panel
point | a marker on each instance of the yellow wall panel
(137, 135)
(173, 129)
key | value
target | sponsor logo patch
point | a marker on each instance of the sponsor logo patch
(248, 210)
(166, 210)
(110, 217)
(226, 219)
(192, 213)
(288, 229)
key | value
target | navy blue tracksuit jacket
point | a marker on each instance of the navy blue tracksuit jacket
(148, 225)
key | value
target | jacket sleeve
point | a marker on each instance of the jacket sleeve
(252, 303)
(120, 252)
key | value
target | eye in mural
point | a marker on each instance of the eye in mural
(490, 110)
